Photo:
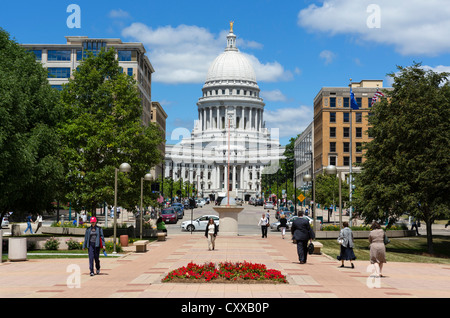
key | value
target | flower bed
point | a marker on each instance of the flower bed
(225, 273)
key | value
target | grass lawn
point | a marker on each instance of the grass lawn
(408, 249)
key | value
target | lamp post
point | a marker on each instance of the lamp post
(333, 170)
(124, 167)
(147, 177)
(307, 178)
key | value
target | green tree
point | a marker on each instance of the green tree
(407, 167)
(30, 170)
(102, 128)
(327, 190)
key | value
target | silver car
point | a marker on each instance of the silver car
(269, 205)
(276, 226)
(199, 224)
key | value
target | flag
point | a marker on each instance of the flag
(376, 96)
(353, 103)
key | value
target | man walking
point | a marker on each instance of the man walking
(302, 233)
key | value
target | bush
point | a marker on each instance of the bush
(52, 244)
(110, 247)
(74, 245)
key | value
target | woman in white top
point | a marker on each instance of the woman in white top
(38, 221)
(211, 233)
(264, 223)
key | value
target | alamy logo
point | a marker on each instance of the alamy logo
(374, 19)
(74, 279)
(74, 20)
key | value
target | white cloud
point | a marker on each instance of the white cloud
(273, 96)
(184, 53)
(328, 56)
(290, 121)
(119, 14)
(413, 27)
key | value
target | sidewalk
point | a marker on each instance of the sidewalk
(138, 275)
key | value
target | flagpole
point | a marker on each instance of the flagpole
(351, 157)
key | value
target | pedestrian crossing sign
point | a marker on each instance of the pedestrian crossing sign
(301, 197)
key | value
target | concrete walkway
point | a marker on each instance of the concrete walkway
(138, 275)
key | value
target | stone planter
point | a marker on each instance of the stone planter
(17, 249)
(69, 231)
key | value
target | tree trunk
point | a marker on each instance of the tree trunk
(429, 236)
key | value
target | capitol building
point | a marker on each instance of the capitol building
(229, 148)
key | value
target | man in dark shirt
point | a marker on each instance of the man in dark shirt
(302, 233)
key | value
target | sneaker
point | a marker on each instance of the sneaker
(98, 272)
(92, 274)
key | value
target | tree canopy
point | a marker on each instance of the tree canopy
(30, 169)
(407, 167)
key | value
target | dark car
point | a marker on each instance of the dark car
(180, 205)
(169, 215)
(259, 202)
(179, 210)
(284, 210)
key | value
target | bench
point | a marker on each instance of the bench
(141, 246)
(317, 247)
(161, 236)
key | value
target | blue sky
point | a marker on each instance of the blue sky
(296, 47)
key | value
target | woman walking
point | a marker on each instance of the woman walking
(38, 221)
(283, 225)
(264, 223)
(94, 240)
(377, 248)
(346, 240)
(211, 233)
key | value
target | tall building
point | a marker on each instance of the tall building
(230, 129)
(332, 116)
(303, 154)
(158, 117)
(61, 60)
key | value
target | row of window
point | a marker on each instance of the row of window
(346, 147)
(218, 92)
(346, 132)
(346, 102)
(65, 55)
(64, 72)
(346, 117)
(346, 163)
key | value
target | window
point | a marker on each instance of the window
(370, 102)
(332, 101)
(238, 92)
(346, 132)
(79, 55)
(333, 160)
(359, 101)
(346, 146)
(124, 56)
(130, 71)
(58, 72)
(332, 147)
(346, 102)
(346, 117)
(223, 92)
(358, 117)
(346, 161)
(332, 117)
(58, 55)
(358, 159)
(358, 132)
(332, 132)
(57, 87)
(37, 53)
(358, 147)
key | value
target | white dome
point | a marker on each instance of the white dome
(231, 65)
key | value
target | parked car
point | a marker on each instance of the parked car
(199, 224)
(259, 202)
(276, 226)
(269, 205)
(169, 215)
(179, 205)
(5, 222)
(179, 210)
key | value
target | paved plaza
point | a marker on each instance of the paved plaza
(138, 275)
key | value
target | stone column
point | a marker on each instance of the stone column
(234, 178)
(218, 117)
(210, 118)
(250, 118)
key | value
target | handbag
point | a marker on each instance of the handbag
(310, 248)
(340, 240)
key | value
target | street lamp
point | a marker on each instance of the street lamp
(124, 167)
(333, 170)
(308, 178)
(147, 177)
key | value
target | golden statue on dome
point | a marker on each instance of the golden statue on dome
(231, 26)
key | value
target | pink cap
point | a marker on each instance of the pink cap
(93, 219)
